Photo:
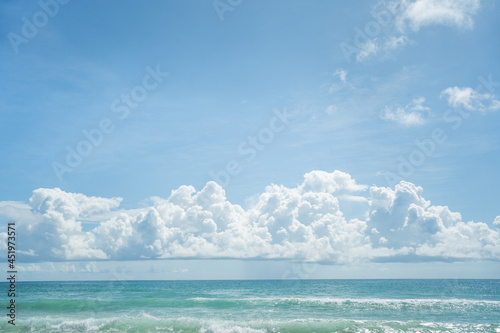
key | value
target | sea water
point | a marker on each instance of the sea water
(257, 306)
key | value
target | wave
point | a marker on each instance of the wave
(296, 307)
(332, 300)
(148, 323)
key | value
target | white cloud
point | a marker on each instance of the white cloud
(470, 99)
(341, 74)
(410, 115)
(368, 49)
(374, 46)
(305, 222)
(421, 13)
(393, 42)
(496, 223)
(415, 15)
(70, 205)
(54, 218)
(407, 220)
(336, 182)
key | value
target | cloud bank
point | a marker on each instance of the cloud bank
(301, 223)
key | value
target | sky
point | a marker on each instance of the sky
(251, 139)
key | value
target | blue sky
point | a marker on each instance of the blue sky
(282, 92)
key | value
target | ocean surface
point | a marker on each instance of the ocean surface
(257, 306)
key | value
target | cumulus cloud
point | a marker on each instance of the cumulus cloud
(496, 223)
(470, 99)
(410, 222)
(410, 115)
(53, 218)
(305, 222)
(421, 13)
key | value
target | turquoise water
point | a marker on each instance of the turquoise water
(258, 306)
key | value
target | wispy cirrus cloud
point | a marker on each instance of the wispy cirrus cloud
(341, 74)
(377, 46)
(413, 114)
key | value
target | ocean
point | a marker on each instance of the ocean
(257, 306)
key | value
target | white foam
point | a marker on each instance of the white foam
(217, 325)
(343, 301)
(89, 324)
(224, 328)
